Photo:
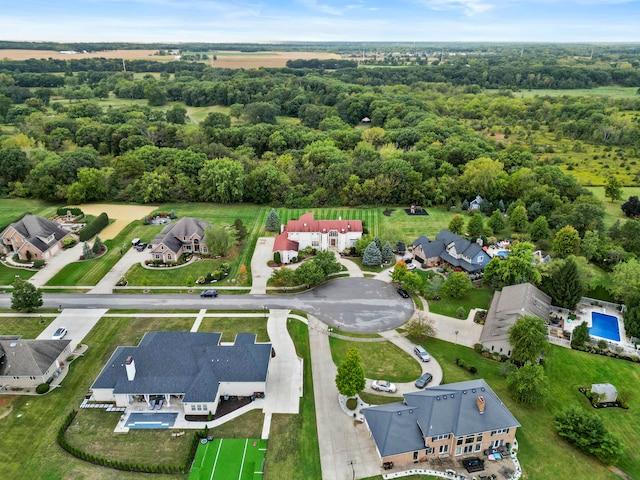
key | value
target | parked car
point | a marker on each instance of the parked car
(383, 386)
(407, 260)
(140, 246)
(209, 293)
(59, 333)
(135, 241)
(411, 266)
(403, 293)
(424, 380)
(422, 354)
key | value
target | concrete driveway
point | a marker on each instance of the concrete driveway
(78, 323)
(260, 272)
(129, 259)
(55, 264)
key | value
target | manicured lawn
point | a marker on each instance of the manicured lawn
(542, 453)
(138, 275)
(476, 298)
(611, 91)
(229, 458)
(246, 425)
(8, 274)
(232, 326)
(613, 210)
(293, 441)
(380, 360)
(28, 327)
(411, 227)
(92, 431)
(11, 208)
(374, 399)
(369, 216)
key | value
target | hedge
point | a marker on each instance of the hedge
(127, 467)
(42, 388)
(75, 211)
(94, 227)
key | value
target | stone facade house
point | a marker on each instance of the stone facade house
(184, 236)
(507, 306)
(28, 363)
(191, 370)
(33, 238)
(451, 420)
(296, 235)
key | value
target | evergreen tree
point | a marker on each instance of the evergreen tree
(273, 222)
(501, 206)
(580, 335)
(566, 286)
(87, 252)
(539, 229)
(632, 321)
(98, 246)
(241, 230)
(456, 225)
(475, 226)
(372, 255)
(387, 252)
(497, 222)
(378, 242)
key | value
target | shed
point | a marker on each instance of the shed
(609, 391)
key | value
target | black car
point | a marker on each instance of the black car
(140, 246)
(424, 379)
(403, 293)
(209, 293)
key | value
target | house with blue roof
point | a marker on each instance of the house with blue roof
(188, 369)
(452, 249)
(451, 420)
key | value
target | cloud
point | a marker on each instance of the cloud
(469, 7)
(319, 7)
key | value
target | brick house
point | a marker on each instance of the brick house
(33, 237)
(28, 363)
(184, 236)
(322, 235)
(189, 370)
(453, 420)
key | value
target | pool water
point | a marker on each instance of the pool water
(604, 326)
(502, 253)
(151, 420)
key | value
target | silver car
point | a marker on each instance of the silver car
(383, 386)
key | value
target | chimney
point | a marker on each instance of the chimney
(130, 365)
(480, 402)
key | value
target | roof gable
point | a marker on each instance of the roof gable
(29, 357)
(38, 231)
(306, 223)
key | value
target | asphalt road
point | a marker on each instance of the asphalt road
(353, 304)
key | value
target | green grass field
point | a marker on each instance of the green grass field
(542, 453)
(229, 458)
(476, 298)
(611, 92)
(231, 326)
(369, 216)
(27, 327)
(8, 274)
(10, 208)
(613, 210)
(380, 360)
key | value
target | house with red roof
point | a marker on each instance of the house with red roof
(337, 235)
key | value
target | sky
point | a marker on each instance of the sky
(266, 21)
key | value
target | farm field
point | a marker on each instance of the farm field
(612, 92)
(613, 210)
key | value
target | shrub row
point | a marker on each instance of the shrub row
(75, 211)
(470, 368)
(123, 466)
(606, 352)
(94, 227)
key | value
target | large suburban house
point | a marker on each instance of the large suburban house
(452, 249)
(188, 369)
(452, 420)
(33, 238)
(28, 363)
(323, 235)
(507, 306)
(184, 236)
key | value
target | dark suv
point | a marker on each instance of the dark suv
(424, 379)
(209, 293)
(403, 293)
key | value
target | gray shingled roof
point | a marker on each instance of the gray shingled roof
(437, 248)
(36, 230)
(509, 305)
(186, 363)
(172, 235)
(440, 410)
(28, 357)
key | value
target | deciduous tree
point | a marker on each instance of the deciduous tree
(518, 267)
(497, 222)
(26, 297)
(309, 273)
(566, 242)
(420, 327)
(528, 384)
(350, 379)
(528, 338)
(613, 188)
(539, 229)
(625, 282)
(456, 225)
(457, 285)
(219, 240)
(518, 219)
(475, 226)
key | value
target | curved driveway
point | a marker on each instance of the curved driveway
(352, 304)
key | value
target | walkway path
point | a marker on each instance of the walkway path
(352, 267)
(463, 332)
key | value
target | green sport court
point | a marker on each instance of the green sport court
(229, 459)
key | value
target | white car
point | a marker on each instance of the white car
(383, 386)
(59, 333)
(411, 266)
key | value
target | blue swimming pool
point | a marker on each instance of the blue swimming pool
(502, 253)
(151, 420)
(604, 326)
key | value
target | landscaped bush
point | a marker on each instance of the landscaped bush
(276, 257)
(75, 211)
(94, 227)
(352, 403)
(42, 388)
(38, 263)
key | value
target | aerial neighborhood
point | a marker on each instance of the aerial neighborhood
(327, 271)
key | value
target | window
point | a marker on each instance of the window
(440, 437)
(315, 243)
(193, 408)
(169, 257)
(429, 451)
(459, 442)
(480, 258)
(468, 449)
(157, 256)
(469, 439)
(479, 438)
(32, 378)
(478, 447)
(499, 432)
(458, 451)
(199, 407)
(497, 443)
(444, 449)
(415, 456)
